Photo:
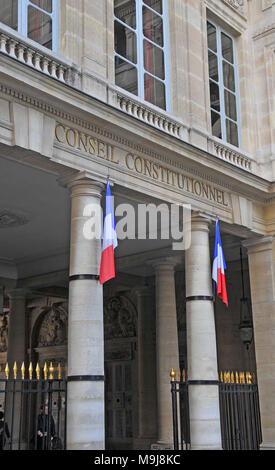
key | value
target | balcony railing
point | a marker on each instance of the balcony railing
(37, 57)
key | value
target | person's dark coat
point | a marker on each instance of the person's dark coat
(45, 424)
(4, 431)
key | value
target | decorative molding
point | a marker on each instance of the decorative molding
(266, 4)
(264, 31)
(236, 4)
(9, 219)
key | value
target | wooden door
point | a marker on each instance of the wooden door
(118, 403)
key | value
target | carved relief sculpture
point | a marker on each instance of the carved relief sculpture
(3, 333)
(53, 329)
(119, 318)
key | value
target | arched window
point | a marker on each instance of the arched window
(141, 49)
(35, 19)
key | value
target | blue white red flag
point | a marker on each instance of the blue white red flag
(219, 267)
(109, 240)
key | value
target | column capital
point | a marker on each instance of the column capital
(167, 263)
(143, 291)
(84, 182)
(201, 222)
(258, 244)
(16, 294)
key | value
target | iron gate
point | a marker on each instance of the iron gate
(239, 411)
(33, 409)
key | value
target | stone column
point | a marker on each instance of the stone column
(17, 340)
(167, 351)
(261, 260)
(146, 368)
(85, 411)
(17, 327)
(202, 374)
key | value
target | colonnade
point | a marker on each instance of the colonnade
(85, 403)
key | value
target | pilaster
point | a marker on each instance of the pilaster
(261, 259)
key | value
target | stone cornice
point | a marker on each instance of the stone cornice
(264, 31)
(60, 114)
(79, 114)
(234, 16)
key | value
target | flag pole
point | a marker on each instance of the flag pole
(213, 282)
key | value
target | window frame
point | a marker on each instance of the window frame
(221, 83)
(140, 37)
(22, 27)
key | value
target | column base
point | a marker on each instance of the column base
(267, 446)
(201, 447)
(143, 443)
(162, 446)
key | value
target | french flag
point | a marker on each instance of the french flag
(109, 240)
(219, 266)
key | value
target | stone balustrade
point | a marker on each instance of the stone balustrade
(148, 114)
(165, 123)
(37, 57)
(231, 155)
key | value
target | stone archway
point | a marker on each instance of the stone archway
(49, 345)
(50, 334)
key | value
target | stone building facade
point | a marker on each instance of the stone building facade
(173, 101)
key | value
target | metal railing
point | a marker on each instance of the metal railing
(239, 411)
(180, 408)
(33, 409)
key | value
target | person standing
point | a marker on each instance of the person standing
(45, 429)
(4, 431)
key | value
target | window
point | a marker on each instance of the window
(141, 49)
(35, 19)
(223, 84)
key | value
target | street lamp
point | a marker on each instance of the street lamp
(246, 325)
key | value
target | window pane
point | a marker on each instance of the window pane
(43, 4)
(227, 48)
(154, 91)
(8, 13)
(216, 124)
(212, 37)
(155, 4)
(125, 10)
(232, 133)
(153, 59)
(40, 27)
(228, 76)
(125, 42)
(230, 105)
(213, 66)
(126, 76)
(152, 26)
(214, 96)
